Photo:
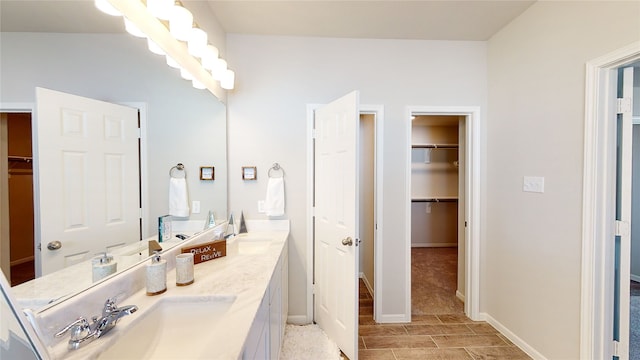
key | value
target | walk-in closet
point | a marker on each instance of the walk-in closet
(437, 214)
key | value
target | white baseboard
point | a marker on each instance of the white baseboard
(367, 283)
(393, 318)
(434, 245)
(512, 337)
(298, 320)
(635, 277)
(459, 295)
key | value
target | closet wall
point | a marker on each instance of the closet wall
(20, 187)
(434, 181)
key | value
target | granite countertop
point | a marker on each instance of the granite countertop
(244, 275)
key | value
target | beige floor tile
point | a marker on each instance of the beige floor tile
(384, 354)
(398, 342)
(424, 319)
(505, 339)
(366, 310)
(482, 328)
(366, 320)
(431, 354)
(448, 341)
(455, 319)
(360, 343)
(500, 352)
(382, 330)
(438, 329)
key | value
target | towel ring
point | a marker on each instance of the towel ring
(275, 169)
(179, 169)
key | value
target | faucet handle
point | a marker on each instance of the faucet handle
(79, 329)
(109, 306)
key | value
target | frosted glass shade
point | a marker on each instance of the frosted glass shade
(160, 8)
(228, 80)
(197, 43)
(219, 68)
(154, 48)
(180, 23)
(172, 63)
(210, 57)
(197, 84)
(185, 74)
(133, 29)
(106, 7)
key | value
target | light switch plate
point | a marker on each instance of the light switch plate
(533, 184)
(261, 206)
(195, 207)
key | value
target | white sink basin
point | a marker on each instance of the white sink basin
(179, 327)
(248, 244)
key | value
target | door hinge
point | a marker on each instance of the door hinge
(622, 228)
(140, 213)
(616, 348)
(465, 223)
(624, 105)
(139, 133)
(313, 289)
(313, 133)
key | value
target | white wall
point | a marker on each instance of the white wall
(183, 125)
(277, 77)
(635, 205)
(531, 259)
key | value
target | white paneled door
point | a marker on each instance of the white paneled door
(336, 220)
(87, 190)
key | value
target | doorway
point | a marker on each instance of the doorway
(605, 266)
(443, 189)
(18, 200)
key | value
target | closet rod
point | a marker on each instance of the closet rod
(435, 146)
(20, 158)
(435, 200)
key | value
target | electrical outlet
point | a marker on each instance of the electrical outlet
(261, 207)
(533, 184)
(195, 207)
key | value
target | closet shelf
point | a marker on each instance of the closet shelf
(434, 146)
(20, 158)
(435, 199)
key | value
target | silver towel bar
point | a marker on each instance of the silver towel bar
(275, 169)
(179, 170)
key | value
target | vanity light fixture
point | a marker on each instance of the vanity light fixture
(181, 40)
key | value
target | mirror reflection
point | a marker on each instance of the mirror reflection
(178, 124)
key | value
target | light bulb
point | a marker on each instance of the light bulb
(133, 29)
(180, 23)
(106, 7)
(172, 63)
(228, 80)
(197, 84)
(210, 57)
(154, 48)
(219, 68)
(197, 43)
(160, 8)
(185, 74)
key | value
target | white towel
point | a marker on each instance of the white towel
(274, 202)
(178, 198)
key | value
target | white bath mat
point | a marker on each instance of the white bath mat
(307, 342)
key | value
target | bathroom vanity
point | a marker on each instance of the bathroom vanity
(236, 308)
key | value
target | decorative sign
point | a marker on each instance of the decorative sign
(207, 251)
(249, 173)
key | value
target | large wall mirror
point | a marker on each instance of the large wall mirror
(94, 58)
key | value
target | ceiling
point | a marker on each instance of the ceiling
(382, 19)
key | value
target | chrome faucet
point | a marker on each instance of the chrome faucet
(81, 330)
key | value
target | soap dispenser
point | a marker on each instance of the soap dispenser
(103, 266)
(156, 275)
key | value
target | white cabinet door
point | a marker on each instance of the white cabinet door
(87, 161)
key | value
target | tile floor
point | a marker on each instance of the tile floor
(446, 333)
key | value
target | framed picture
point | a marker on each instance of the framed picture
(207, 173)
(249, 173)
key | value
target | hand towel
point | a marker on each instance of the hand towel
(274, 202)
(178, 198)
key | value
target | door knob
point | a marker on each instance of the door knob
(347, 241)
(54, 245)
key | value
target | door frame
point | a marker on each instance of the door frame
(29, 107)
(472, 202)
(598, 214)
(378, 111)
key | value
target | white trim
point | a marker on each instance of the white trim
(459, 295)
(512, 337)
(310, 209)
(598, 207)
(433, 245)
(298, 320)
(378, 299)
(472, 210)
(393, 319)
